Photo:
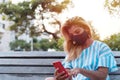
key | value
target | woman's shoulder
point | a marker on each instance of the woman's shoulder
(102, 46)
(97, 42)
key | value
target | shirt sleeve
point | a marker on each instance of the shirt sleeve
(106, 58)
(67, 64)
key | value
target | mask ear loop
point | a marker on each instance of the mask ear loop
(74, 42)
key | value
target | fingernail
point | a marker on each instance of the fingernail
(63, 72)
(66, 75)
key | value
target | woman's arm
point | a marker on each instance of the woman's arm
(100, 74)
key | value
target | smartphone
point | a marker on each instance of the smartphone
(60, 67)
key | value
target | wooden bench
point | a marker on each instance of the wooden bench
(35, 65)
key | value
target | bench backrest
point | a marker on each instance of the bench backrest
(35, 65)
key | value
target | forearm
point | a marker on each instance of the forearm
(93, 75)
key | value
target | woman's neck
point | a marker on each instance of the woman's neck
(88, 43)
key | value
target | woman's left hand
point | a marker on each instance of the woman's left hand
(75, 72)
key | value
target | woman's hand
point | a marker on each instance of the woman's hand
(63, 75)
(60, 76)
(75, 72)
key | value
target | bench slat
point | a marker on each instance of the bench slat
(34, 61)
(118, 61)
(22, 77)
(41, 54)
(32, 54)
(116, 72)
(114, 77)
(27, 70)
(34, 70)
(27, 61)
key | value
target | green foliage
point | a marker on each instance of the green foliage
(19, 45)
(36, 46)
(45, 44)
(35, 40)
(60, 43)
(113, 6)
(113, 42)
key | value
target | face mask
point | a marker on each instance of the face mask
(79, 39)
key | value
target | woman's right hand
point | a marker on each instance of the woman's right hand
(60, 76)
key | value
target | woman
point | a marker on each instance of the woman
(86, 58)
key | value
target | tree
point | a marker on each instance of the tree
(19, 45)
(113, 6)
(45, 44)
(24, 15)
(113, 41)
(60, 43)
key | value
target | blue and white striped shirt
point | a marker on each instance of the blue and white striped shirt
(96, 55)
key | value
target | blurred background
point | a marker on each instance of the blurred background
(34, 25)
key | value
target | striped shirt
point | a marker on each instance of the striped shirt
(96, 55)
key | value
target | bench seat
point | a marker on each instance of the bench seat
(36, 65)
